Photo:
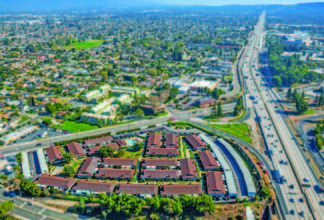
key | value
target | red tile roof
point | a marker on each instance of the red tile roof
(115, 173)
(163, 151)
(172, 141)
(94, 186)
(98, 140)
(89, 166)
(160, 174)
(154, 140)
(195, 142)
(137, 189)
(93, 150)
(188, 168)
(207, 159)
(76, 149)
(119, 162)
(179, 189)
(215, 184)
(114, 145)
(160, 162)
(54, 153)
(121, 142)
(60, 182)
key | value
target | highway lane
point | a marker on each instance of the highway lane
(291, 196)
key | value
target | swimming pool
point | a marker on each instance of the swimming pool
(130, 142)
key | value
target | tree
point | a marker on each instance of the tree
(214, 110)
(289, 94)
(295, 94)
(68, 157)
(137, 146)
(277, 81)
(152, 72)
(19, 158)
(68, 171)
(319, 141)
(30, 188)
(120, 152)
(5, 207)
(301, 104)
(106, 152)
(50, 108)
(239, 106)
(233, 59)
(219, 110)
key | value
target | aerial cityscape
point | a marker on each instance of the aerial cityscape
(161, 110)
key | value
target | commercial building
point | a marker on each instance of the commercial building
(15, 135)
(42, 161)
(215, 184)
(118, 91)
(25, 165)
(98, 109)
(97, 119)
(179, 189)
(85, 187)
(139, 190)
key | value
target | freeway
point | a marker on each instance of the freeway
(286, 154)
(259, 95)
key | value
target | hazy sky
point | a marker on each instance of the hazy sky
(229, 2)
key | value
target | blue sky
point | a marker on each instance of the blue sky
(229, 2)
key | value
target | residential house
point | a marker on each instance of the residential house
(98, 141)
(160, 164)
(208, 160)
(76, 149)
(89, 167)
(215, 183)
(172, 141)
(154, 140)
(167, 152)
(179, 189)
(59, 183)
(120, 174)
(195, 142)
(160, 174)
(140, 190)
(85, 187)
(188, 169)
(121, 142)
(54, 155)
(122, 163)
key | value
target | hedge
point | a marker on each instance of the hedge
(128, 131)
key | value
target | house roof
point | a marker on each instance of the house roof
(54, 153)
(121, 142)
(94, 150)
(160, 174)
(60, 182)
(76, 149)
(215, 183)
(137, 189)
(115, 173)
(89, 166)
(207, 159)
(119, 161)
(195, 141)
(154, 140)
(172, 141)
(94, 186)
(98, 140)
(188, 168)
(163, 151)
(178, 189)
(160, 162)
(113, 145)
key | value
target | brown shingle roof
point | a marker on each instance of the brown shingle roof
(207, 160)
(54, 153)
(115, 173)
(179, 189)
(94, 186)
(98, 140)
(119, 162)
(172, 141)
(137, 189)
(93, 150)
(76, 149)
(154, 140)
(121, 142)
(188, 168)
(114, 145)
(195, 142)
(160, 162)
(60, 182)
(160, 174)
(89, 166)
(215, 183)
(163, 151)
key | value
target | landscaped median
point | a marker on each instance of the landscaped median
(241, 131)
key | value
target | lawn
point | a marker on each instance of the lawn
(239, 117)
(75, 127)
(181, 124)
(229, 77)
(310, 112)
(85, 44)
(23, 119)
(132, 154)
(241, 131)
